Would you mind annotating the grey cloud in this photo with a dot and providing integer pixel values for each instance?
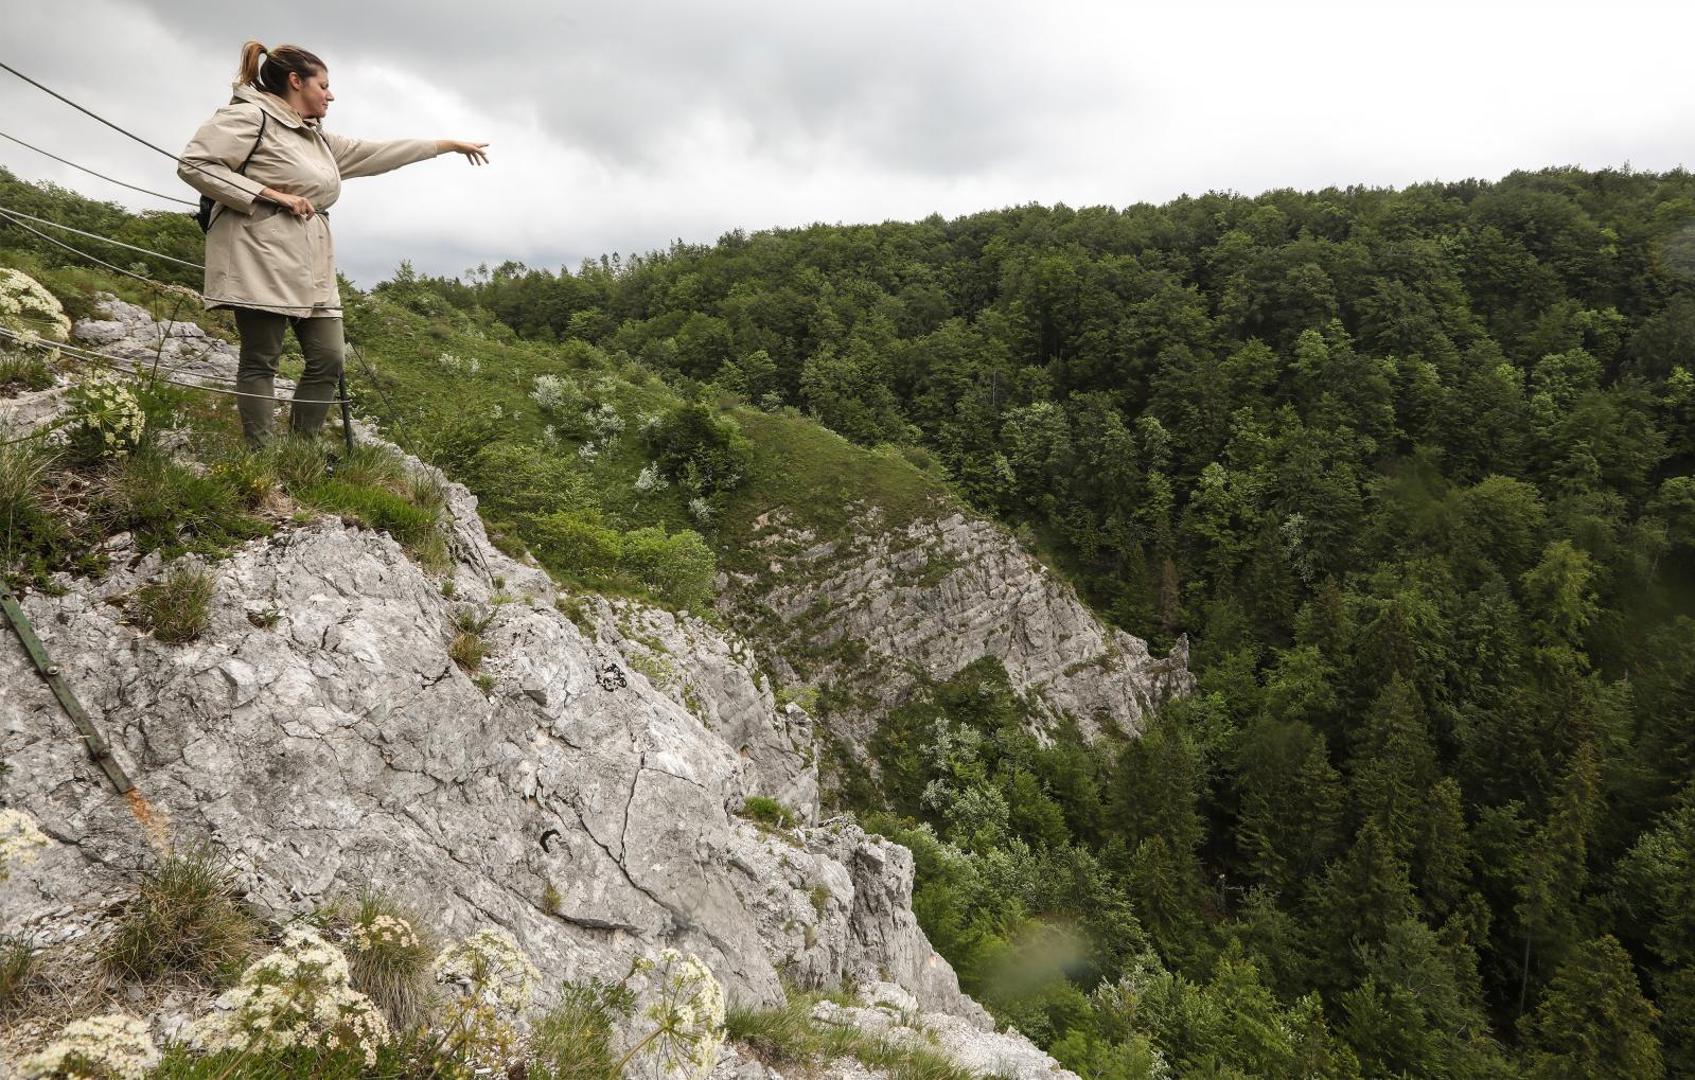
(912, 87)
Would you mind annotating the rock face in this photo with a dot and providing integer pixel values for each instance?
(716, 676)
(319, 733)
(890, 605)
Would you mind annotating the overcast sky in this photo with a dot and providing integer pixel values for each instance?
(623, 126)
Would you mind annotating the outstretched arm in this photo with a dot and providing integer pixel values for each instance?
(475, 152)
(368, 157)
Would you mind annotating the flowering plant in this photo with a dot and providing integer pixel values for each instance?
(108, 419)
(298, 995)
(491, 967)
(28, 309)
(383, 931)
(557, 395)
(494, 980)
(687, 1010)
(115, 1047)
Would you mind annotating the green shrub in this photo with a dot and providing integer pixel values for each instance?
(700, 450)
(768, 811)
(528, 482)
(184, 918)
(677, 568)
(178, 606)
(578, 544)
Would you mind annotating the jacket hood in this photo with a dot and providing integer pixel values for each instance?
(279, 110)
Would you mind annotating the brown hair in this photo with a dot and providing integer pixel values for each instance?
(269, 69)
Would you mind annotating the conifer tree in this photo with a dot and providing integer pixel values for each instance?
(1593, 1021)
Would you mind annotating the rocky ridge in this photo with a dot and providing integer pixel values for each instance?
(886, 609)
(319, 734)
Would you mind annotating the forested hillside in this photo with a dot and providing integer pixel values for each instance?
(1411, 468)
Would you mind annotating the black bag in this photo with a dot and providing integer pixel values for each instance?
(208, 205)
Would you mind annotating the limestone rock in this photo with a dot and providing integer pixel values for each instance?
(937, 596)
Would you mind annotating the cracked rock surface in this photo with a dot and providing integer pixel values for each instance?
(932, 598)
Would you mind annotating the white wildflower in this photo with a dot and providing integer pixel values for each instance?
(489, 966)
(588, 451)
(384, 931)
(468, 365)
(115, 1047)
(297, 995)
(27, 308)
(19, 837)
(701, 510)
(688, 1011)
(107, 415)
(494, 980)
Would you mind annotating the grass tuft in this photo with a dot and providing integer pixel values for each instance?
(17, 965)
(177, 607)
(174, 508)
(23, 372)
(23, 466)
(298, 463)
(575, 1040)
(184, 919)
(371, 465)
(391, 968)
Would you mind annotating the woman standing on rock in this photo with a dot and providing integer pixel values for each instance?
(273, 171)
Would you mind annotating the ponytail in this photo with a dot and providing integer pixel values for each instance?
(252, 55)
(269, 69)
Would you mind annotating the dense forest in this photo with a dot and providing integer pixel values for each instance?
(1412, 470)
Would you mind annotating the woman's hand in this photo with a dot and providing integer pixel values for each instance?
(298, 205)
(475, 152)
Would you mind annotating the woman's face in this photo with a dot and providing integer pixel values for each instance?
(311, 96)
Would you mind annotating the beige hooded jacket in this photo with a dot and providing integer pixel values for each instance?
(258, 255)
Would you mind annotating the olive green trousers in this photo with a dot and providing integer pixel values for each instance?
(261, 344)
